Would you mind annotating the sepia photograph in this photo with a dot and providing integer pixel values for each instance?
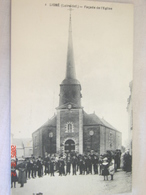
(71, 97)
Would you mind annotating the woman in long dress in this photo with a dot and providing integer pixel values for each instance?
(22, 173)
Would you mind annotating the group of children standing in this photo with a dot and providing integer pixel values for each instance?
(108, 168)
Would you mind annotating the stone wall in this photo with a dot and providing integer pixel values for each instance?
(37, 143)
(110, 139)
(118, 140)
(91, 142)
(49, 143)
(69, 117)
(102, 139)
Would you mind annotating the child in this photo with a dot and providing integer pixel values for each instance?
(112, 168)
(105, 171)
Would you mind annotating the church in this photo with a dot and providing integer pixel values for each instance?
(71, 129)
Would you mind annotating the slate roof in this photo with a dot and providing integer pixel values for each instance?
(70, 82)
(107, 124)
(88, 119)
(93, 119)
(50, 122)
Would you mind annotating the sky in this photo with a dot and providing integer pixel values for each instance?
(103, 53)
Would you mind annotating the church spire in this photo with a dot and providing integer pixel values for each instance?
(70, 88)
(70, 66)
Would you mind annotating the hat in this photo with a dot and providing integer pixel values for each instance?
(105, 159)
(105, 163)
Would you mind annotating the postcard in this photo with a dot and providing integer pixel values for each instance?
(71, 97)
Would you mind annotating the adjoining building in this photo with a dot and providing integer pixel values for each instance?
(71, 129)
(24, 146)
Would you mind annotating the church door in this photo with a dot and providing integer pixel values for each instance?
(69, 146)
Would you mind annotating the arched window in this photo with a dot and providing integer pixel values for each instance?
(69, 127)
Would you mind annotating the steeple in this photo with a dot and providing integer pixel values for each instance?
(70, 88)
(70, 66)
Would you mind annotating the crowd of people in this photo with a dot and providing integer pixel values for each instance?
(66, 164)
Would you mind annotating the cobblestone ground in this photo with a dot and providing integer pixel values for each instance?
(76, 185)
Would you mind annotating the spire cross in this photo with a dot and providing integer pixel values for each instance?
(70, 9)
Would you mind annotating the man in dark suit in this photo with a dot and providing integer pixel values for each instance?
(95, 164)
(52, 162)
(46, 159)
(68, 164)
(39, 164)
(74, 164)
(81, 164)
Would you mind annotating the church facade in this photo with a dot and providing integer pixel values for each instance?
(71, 129)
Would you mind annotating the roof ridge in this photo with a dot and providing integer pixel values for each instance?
(110, 126)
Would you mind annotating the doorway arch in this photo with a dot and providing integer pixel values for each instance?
(69, 146)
